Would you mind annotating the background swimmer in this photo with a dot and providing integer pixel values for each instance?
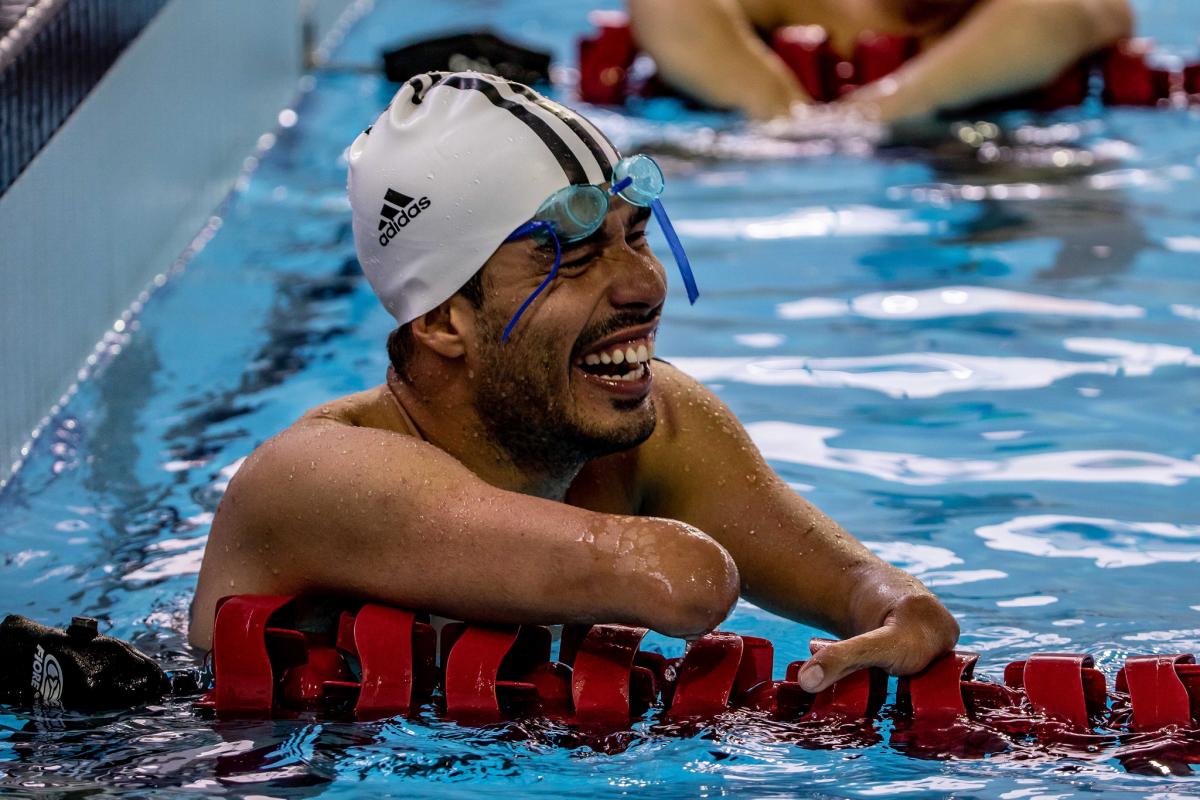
(971, 50)
(563, 475)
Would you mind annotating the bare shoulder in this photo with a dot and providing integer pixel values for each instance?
(687, 409)
(698, 442)
(694, 428)
(288, 493)
(276, 464)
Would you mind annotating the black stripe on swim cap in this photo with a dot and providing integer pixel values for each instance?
(572, 122)
(558, 148)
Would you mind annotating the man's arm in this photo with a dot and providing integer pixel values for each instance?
(329, 508)
(708, 49)
(703, 469)
(999, 48)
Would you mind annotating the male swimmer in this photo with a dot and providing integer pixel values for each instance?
(971, 50)
(527, 460)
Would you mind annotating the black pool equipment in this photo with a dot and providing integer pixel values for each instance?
(481, 51)
(77, 669)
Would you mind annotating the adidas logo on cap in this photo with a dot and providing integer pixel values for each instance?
(398, 210)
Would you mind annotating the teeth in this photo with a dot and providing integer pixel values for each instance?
(629, 354)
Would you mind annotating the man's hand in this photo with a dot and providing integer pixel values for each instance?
(915, 631)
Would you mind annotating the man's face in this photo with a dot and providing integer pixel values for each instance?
(573, 381)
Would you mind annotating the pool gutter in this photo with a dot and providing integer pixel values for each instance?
(111, 201)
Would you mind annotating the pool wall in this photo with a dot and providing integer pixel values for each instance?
(131, 178)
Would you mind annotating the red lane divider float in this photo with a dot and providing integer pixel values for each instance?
(1164, 691)
(607, 56)
(380, 662)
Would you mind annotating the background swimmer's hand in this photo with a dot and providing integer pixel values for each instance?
(916, 630)
(711, 50)
(1001, 47)
(829, 121)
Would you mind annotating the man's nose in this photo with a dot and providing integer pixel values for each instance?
(637, 279)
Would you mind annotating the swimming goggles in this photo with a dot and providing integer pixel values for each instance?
(576, 212)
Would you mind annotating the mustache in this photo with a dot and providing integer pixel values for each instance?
(598, 331)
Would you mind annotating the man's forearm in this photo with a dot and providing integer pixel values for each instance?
(708, 49)
(798, 562)
(1002, 47)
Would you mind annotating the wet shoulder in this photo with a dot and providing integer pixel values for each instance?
(372, 408)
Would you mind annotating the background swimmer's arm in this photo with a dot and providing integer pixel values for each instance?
(1000, 47)
(701, 467)
(708, 49)
(328, 508)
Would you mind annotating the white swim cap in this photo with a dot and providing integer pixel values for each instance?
(452, 166)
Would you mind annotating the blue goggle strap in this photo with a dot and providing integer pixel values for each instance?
(681, 259)
(534, 226)
(664, 222)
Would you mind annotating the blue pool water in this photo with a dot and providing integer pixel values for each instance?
(981, 359)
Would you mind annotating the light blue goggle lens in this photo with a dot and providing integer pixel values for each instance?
(576, 212)
(638, 179)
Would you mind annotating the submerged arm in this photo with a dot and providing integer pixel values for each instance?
(793, 559)
(708, 49)
(327, 508)
(1001, 47)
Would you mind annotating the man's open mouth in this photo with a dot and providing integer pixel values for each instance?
(627, 361)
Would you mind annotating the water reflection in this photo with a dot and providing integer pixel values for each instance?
(807, 445)
(1107, 542)
(931, 374)
(801, 223)
(952, 301)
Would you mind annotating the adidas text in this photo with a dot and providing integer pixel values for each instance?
(396, 217)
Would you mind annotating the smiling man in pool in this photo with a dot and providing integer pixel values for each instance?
(527, 460)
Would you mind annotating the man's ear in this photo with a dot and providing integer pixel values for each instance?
(447, 328)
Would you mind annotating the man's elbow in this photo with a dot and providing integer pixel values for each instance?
(701, 589)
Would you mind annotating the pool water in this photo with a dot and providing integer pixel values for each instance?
(979, 354)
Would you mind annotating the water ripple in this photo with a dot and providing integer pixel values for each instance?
(951, 301)
(927, 374)
(1107, 542)
(807, 445)
(822, 221)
